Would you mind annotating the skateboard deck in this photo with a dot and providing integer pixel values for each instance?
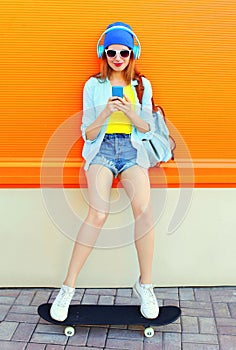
(111, 315)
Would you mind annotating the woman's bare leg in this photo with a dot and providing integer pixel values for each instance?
(136, 183)
(99, 179)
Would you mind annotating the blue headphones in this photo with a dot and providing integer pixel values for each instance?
(136, 49)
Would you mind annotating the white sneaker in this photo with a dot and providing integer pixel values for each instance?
(149, 306)
(60, 306)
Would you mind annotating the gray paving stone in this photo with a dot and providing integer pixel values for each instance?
(165, 295)
(190, 346)
(7, 300)
(232, 308)
(55, 347)
(227, 330)
(167, 290)
(171, 341)
(169, 302)
(25, 297)
(49, 328)
(126, 301)
(24, 309)
(79, 292)
(90, 299)
(227, 342)
(196, 312)
(226, 321)
(82, 348)
(24, 332)
(4, 311)
(154, 343)
(196, 305)
(124, 292)
(78, 296)
(11, 316)
(125, 334)
(124, 344)
(207, 325)
(224, 295)
(150, 346)
(100, 291)
(172, 327)
(200, 338)
(41, 297)
(202, 295)
(54, 294)
(97, 337)
(9, 292)
(221, 309)
(186, 294)
(33, 346)
(104, 348)
(80, 337)
(222, 288)
(190, 324)
(10, 345)
(7, 330)
(106, 300)
(49, 338)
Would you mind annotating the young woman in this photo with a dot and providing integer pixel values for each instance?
(113, 129)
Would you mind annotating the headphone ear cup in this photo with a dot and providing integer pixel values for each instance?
(136, 52)
(100, 50)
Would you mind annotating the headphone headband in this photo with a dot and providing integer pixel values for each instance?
(119, 27)
(136, 48)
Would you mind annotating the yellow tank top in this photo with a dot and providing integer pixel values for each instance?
(118, 122)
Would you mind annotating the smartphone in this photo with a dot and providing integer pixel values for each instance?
(117, 91)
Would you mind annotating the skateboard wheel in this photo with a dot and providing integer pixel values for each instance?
(149, 332)
(69, 331)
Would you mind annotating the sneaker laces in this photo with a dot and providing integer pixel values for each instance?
(149, 294)
(64, 298)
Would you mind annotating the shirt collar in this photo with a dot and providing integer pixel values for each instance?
(133, 82)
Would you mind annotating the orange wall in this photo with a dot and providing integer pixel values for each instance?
(48, 50)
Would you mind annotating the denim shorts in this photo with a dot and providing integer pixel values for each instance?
(116, 153)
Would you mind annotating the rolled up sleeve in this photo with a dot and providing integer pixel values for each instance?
(146, 110)
(89, 110)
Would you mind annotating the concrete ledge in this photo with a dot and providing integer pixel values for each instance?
(199, 251)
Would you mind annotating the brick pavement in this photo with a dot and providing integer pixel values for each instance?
(208, 321)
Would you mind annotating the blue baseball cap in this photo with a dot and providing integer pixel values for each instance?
(119, 36)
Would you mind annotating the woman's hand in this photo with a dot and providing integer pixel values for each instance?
(124, 105)
(111, 106)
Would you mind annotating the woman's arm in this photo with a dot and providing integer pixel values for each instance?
(94, 128)
(92, 122)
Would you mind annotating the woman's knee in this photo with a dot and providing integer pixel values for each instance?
(97, 218)
(143, 214)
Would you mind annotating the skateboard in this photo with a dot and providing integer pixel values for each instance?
(111, 315)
